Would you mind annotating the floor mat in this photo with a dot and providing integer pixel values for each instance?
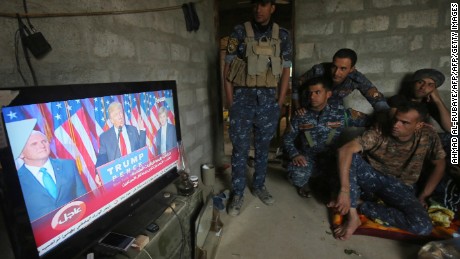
(371, 228)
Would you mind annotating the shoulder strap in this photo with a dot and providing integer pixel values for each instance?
(346, 117)
(275, 31)
(330, 136)
(309, 138)
(248, 28)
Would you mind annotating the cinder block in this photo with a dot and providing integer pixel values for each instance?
(109, 44)
(444, 61)
(156, 50)
(390, 3)
(305, 50)
(317, 27)
(392, 44)
(336, 6)
(418, 19)
(186, 97)
(404, 64)
(440, 40)
(371, 65)
(201, 94)
(371, 24)
(388, 86)
(179, 52)
(193, 116)
(416, 43)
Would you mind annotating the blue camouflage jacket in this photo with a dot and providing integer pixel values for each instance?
(355, 80)
(319, 131)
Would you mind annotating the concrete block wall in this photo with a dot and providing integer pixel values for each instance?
(126, 47)
(392, 38)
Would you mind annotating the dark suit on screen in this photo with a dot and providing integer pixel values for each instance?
(171, 138)
(38, 201)
(109, 149)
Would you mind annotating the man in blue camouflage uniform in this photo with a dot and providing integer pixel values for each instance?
(389, 171)
(345, 78)
(258, 60)
(319, 129)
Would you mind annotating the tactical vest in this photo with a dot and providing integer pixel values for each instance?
(262, 65)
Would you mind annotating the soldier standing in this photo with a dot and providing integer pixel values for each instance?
(258, 60)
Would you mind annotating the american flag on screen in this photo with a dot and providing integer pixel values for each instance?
(73, 127)
(72, 137)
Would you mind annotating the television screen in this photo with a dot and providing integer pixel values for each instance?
(80, 158)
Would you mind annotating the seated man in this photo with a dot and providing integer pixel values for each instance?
(423, 88)
(318, 130)
(345, 80)
(393, 165)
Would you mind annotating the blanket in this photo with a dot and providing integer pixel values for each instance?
(374, 228)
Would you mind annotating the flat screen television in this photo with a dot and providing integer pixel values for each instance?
(77, 159)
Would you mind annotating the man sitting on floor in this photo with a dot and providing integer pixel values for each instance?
(393, 165)
(318, 130)
(423, 88)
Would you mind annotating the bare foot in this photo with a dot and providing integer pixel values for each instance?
(344, 231)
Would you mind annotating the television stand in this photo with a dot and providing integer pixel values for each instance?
(176, 235)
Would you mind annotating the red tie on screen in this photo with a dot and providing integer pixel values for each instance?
(123, 150)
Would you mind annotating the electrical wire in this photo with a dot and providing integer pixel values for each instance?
(16, 55)
(181, 227)
(181, 230)
(24, 4)
(49, 15)
(145, 251)
(22, 29)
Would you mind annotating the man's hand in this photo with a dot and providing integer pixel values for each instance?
(342, 204)
(422, 198)
(434, 96)
(300, 111)
(299, 160)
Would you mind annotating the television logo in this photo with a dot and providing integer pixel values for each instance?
(68, 215)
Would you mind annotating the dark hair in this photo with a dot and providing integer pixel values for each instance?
(417, 106)
(397, 100)
(325, 81)
(346, 53)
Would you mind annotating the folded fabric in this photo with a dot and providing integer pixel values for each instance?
(374, 228)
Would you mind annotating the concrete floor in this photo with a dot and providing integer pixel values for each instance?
(293, 227)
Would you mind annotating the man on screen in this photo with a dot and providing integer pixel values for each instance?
(165, 138)
(120, 139)
(47, 183)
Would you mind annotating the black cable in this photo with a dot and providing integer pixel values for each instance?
(16, 55)
(22, 32)
(24, 3)
(181, 230)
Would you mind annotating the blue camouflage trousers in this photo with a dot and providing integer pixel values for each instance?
(299, 175)
(402, 209)
(254, 111)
